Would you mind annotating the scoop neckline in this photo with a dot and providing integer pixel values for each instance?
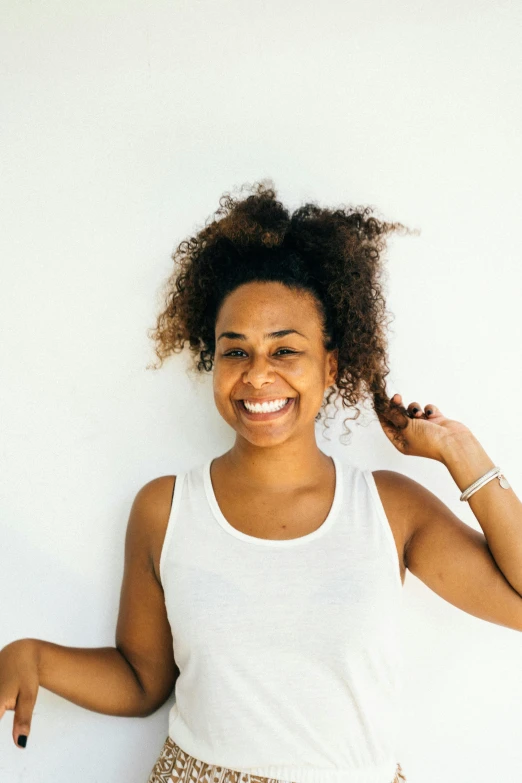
(275, 542)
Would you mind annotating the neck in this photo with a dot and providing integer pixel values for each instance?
(281, 468)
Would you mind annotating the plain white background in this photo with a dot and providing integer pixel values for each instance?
(122, 125)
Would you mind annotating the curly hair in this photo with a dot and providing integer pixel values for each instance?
(335, 254)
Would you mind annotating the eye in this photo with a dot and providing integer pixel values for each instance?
(238, 350)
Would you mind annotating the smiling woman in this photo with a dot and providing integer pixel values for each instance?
(276, 378)
(329, 259)
(282, 576)
(264, 584)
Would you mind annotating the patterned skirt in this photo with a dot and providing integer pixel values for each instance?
(176, 766)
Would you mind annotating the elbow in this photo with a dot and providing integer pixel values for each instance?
(151, 705)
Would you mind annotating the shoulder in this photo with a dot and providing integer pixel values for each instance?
(153, 497)
(401, 492)
(391, 481)
(149, 517)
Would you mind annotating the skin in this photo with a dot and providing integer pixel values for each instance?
(275, 468)
(276, 471)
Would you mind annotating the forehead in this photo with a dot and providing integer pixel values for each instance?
(267, 304)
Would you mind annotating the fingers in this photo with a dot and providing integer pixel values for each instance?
(23, 716)
(415, 410)
(397, 413)
(19, 684)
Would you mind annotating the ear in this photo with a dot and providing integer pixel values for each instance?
(332, 366)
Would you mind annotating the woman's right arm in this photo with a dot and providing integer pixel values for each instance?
(97, 678)
(132, 679)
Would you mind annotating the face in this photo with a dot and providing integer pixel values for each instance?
(269, 348)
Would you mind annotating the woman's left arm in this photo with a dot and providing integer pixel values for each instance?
(497, 509)
(480, 573)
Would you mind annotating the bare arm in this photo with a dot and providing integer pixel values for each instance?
(133, 678)
(97, 678)
(449, 556)
(136, 676)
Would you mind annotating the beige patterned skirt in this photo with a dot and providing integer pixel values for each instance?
(176, 766)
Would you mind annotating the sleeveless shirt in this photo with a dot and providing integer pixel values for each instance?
(288, 650)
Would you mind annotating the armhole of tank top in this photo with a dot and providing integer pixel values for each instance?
(174, 507)
(368, 475)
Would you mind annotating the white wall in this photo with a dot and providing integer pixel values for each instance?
(123, 123)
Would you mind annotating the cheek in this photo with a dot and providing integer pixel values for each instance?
(223, 385)
(219, 376)
(307, 375)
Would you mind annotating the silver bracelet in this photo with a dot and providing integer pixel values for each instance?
(489, 476)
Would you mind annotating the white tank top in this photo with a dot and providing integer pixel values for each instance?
(288, 650)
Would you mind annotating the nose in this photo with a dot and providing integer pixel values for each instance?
(259, 372)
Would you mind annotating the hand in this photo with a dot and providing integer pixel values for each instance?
(420, 433)
(19, 684)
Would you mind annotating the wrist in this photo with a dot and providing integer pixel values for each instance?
(459, 445)
(34, 650)
(465, 459)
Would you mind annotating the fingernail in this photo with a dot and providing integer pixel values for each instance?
(22, 740)
(414, 410)
(429, 412)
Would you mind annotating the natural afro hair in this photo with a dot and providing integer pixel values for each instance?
(336, 254)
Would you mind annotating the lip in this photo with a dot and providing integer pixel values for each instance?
(264, 399)
(265, 416)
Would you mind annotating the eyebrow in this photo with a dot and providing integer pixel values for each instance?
(268, 336)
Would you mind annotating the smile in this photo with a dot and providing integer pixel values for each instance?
(266, 411)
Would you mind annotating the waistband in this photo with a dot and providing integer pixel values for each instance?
(389, 772)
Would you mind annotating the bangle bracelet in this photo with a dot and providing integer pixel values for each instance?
(495, 472)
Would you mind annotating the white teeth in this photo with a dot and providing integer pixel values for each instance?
(265, 407)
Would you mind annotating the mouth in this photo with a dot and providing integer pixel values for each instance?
(266, 415)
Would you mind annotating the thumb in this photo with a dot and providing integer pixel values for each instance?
(23, 715)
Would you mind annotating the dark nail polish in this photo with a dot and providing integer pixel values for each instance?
(429, 412)
(414, 410)
(22, 740)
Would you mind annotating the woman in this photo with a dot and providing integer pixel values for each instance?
(265, 584)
